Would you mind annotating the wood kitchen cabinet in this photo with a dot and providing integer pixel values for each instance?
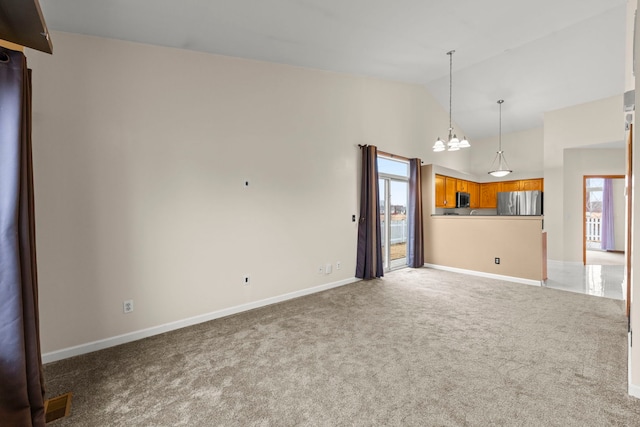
(445, 191)
(474, 194)
(440, 197)
(522, 185)
(510, 186)
(489, 195)
(482, 196)
(450, 192)
(462, 185)
(532, 184)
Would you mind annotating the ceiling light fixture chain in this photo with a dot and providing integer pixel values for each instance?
(453, 144)
(450, 53)
(500, 102)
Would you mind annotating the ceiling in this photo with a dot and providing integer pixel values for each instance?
(537, 55)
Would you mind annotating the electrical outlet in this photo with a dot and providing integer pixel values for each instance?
(127, 306)
(246, 279)
(338, 265)
(321, 270)
(496, 260)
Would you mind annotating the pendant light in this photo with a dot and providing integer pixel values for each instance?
(453, 144)
(499, 167)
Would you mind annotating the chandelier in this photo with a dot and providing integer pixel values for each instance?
(453, 144)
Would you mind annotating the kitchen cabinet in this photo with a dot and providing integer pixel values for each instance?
(450, 192)
(482, 196)
(440, 197)
(522, 185)
(445, 191)
(510, 186)
(473, 188)
(462, 185)
(489, 195)
(532, 184)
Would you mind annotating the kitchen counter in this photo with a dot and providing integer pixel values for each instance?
(483, 216)
(500, 245)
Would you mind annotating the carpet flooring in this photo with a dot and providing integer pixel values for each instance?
(419, 347)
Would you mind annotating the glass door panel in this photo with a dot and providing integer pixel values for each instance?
(398, 193)
(382, 185)
(394, 190)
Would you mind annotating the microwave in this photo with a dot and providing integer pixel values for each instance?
(462, 199)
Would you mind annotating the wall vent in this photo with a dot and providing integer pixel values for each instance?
(57, 407)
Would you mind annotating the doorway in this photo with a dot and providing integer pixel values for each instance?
(393, 183)
(603, 241)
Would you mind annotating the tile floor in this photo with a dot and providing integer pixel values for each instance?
(594, 279)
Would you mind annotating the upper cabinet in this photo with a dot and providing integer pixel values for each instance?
(462, 185)
(446, 188)
(482, 195)
(509, 186)
(474, 194)
(489, 194)
(522, 185)
(440, 197)
(532, 184)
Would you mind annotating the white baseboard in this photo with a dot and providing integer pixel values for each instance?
(160, 329)
(634, 390)
(488, 275)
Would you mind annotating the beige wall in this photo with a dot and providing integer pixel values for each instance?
(140, 157)
(523, 151)
(629, 79)
(634, 362)
(579, 126)
(577, 164)
(472, 243)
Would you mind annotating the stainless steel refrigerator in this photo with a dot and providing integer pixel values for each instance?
(520, 203)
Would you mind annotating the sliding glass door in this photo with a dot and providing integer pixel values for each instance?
(394, 191)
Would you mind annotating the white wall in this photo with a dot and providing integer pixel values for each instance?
(634, 355)
(579, 126)
(523, 151)
(577, 164)
(140, 156)
(619, 213)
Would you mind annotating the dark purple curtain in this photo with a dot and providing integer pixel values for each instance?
(369, 262)
(415, 242)
(607, 229)
(21, 378)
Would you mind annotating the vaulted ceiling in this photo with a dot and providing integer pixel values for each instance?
(537, 55)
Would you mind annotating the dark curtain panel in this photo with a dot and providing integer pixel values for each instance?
(21, 378)
(415, 242)
(369, 262)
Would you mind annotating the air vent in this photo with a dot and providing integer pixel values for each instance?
(57, 407)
